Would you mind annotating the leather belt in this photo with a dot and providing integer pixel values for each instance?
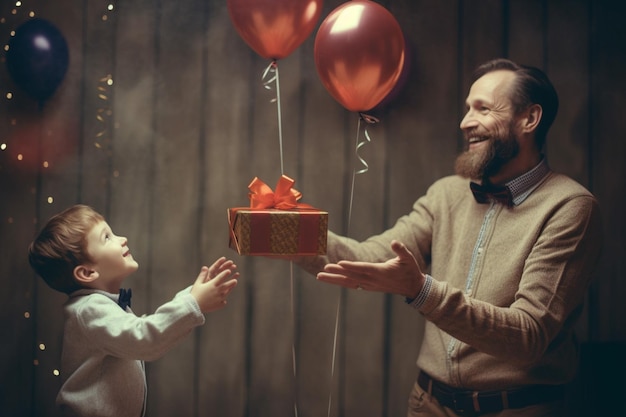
(475, 403)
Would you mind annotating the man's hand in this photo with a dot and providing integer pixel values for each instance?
(400, 275)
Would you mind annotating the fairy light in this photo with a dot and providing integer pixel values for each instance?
(104, 113)
(18, 11)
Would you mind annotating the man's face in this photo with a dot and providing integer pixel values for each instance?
(488, 127)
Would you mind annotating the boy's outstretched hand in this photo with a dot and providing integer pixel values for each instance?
(214, 283)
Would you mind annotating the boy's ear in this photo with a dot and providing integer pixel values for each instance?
(84, 274)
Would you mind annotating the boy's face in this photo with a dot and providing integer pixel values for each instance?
(111, 258)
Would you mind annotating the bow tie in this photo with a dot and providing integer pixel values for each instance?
(124, 300)
(484, 193)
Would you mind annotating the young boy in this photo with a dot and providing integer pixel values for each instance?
(104, 343)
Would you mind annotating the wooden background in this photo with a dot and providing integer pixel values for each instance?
(187, 124)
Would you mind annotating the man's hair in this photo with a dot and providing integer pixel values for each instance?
(62, 245)
(532, 86)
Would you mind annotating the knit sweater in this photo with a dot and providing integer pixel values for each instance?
(508, 282)
(104, 348)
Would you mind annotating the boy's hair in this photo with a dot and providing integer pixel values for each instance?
(62, 245)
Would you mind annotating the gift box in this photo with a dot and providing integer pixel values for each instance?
(276, 224)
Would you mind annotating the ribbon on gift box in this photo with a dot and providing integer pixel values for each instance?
(267, 204)
(284, 198)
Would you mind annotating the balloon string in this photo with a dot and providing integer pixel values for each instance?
(293, 344)
(370, 120)
(270, 75)
(332, 366)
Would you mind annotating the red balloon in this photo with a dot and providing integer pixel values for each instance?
(274, 28)
(359, 54)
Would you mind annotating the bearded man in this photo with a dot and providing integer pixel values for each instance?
(509, 246)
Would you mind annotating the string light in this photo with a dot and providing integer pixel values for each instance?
(13, 16)
(104, 113)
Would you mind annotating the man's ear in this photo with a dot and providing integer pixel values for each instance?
(531, 118)
(84, 274)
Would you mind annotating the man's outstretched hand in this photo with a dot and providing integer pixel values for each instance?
(400, 275)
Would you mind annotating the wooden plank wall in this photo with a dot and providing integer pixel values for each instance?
(187, 124)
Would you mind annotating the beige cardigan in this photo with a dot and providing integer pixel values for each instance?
(509, 283)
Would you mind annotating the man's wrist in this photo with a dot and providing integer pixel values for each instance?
(421, 297)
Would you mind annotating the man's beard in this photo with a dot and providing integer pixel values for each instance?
(485, 163)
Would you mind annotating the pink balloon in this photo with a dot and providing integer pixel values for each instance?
(274, 28)
(359, 54)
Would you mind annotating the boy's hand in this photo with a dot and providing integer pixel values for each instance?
(214, 284)
(220, 265)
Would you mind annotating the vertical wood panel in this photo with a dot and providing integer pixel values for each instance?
(58, 189)
(322, 180)
(422, 126)
(607, 87)
(567, 146)
(131, 132)
(175, 188)
(223, 383)
(18, 187)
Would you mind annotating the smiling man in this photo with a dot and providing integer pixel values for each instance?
(509, 247)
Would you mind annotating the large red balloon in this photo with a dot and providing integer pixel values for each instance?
(274, 28)
(359, 54)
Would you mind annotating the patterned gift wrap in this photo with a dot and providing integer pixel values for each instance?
(278, 232)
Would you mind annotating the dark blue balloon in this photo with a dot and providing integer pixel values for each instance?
(37, 58)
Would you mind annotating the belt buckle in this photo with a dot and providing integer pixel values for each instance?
(456, 404)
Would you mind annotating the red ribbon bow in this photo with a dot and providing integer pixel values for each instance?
(284, 198)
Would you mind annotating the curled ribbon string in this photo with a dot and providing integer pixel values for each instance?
(359, 144)
(270, 75)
